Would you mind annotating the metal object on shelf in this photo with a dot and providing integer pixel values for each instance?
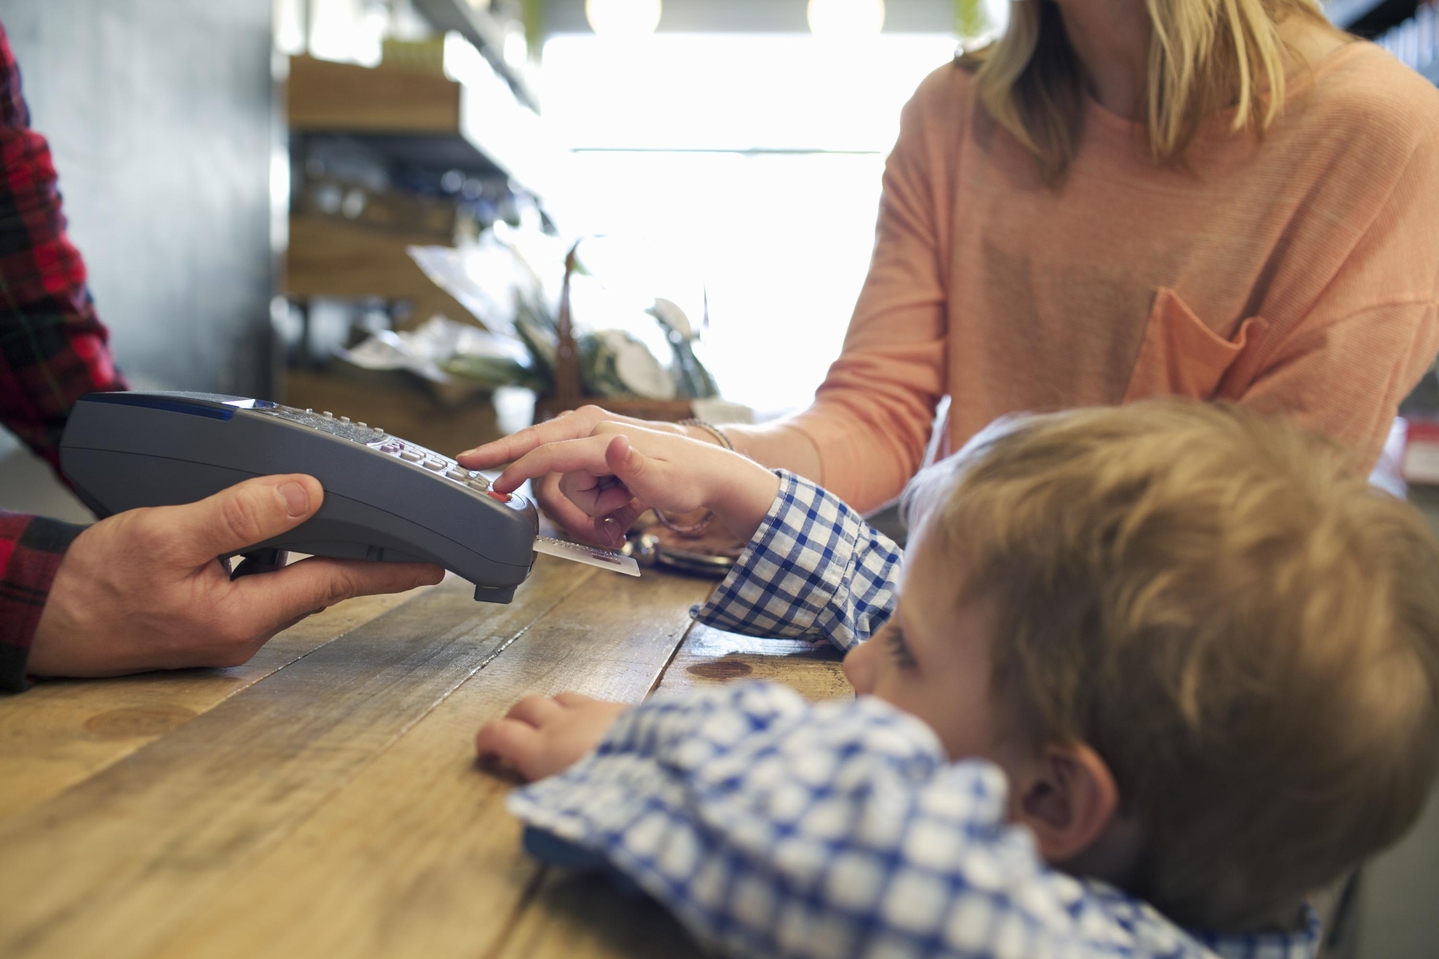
(481, 29)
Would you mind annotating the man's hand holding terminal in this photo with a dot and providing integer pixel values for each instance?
(144, 589)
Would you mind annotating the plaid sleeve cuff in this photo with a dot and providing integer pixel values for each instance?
(814, 569)
(31, 548)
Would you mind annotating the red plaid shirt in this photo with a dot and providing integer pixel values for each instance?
(52, 351)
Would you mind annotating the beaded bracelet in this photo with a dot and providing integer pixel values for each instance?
(709, 428)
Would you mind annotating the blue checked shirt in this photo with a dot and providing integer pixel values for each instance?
(814, 569)
(774, 827)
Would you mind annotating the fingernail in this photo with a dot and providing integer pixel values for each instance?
(613, 533)
(297, 499)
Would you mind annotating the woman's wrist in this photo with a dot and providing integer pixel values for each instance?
(697, 429)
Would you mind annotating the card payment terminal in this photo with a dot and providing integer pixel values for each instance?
(386, 499)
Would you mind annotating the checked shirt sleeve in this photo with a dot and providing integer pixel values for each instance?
(31, 548)
(773, 827)
(53, 348)
(814, 569)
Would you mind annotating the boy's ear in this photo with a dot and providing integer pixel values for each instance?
(1068, 801)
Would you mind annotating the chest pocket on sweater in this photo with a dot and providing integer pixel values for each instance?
(1180, 356)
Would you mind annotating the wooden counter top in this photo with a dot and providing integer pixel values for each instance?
(323, 800)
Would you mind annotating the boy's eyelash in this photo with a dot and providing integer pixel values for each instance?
(898, 648)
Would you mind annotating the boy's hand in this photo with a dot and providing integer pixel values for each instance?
(543, 735)
(619, 469)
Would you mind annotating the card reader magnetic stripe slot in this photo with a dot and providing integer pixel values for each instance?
(215, 411)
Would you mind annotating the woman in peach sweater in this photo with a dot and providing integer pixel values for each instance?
(1121, 199)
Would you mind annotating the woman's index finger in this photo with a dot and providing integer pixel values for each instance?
(509, 448)
(560, 456)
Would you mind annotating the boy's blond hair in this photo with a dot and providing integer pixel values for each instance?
(1243, 628)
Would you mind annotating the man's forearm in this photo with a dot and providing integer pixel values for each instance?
(31, 548)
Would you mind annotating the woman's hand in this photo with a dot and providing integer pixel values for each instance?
(543, 735)
(618, 469)
(553, 491)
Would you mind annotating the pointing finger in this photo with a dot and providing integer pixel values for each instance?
(586, 453)
(512, 447)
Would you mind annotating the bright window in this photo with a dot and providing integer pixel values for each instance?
(760, 157)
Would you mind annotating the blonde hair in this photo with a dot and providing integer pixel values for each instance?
(1205, 56)
(1246, 633)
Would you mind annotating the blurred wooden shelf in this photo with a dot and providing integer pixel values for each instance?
(395, 402)
(326, 97)
(422, 120)
(329, 257)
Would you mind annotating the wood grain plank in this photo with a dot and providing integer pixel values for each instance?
(60, 733)
(584, 915)
(327, 256)
(710, 656)
(321, 95)
(417, 856)
(108, 866)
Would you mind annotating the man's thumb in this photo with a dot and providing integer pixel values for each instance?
(245, 514)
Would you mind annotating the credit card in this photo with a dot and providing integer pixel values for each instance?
(590, 555)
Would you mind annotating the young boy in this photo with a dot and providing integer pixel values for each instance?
(1155, 672)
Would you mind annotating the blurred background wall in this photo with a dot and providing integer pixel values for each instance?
(161, 117)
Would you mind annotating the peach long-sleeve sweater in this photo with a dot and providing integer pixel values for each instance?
(1296, 272)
